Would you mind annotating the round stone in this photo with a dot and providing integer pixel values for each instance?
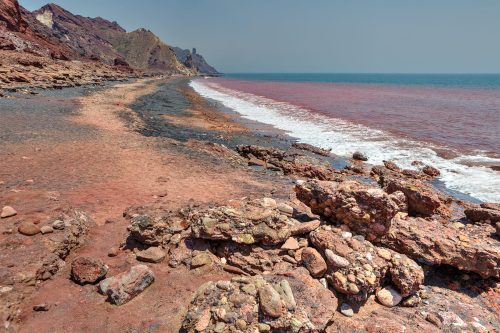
(335, 260)
(28, 229)
(8, 211)
(389, 296)
(46, 229)
(346, 310)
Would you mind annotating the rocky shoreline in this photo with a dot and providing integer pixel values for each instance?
(173, 216)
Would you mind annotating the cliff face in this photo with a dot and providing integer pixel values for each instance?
(194, 60)
(19, 32)
(55, 32)
(143, 49)
(10, 15)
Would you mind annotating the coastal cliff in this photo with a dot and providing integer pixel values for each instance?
(54, 33)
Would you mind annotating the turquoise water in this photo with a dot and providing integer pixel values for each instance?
(443, 80)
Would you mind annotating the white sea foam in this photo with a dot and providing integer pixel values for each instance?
(344, 138)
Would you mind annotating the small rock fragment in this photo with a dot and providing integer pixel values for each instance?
(346, 310)
(153, 254)
(359, 156)
(335, 260)
(58, 225)
(431, 171)
(433, 319)
(88, 270)
(41, 307)
(290, 244)
(46, 229)
(201, 259)
(314, 262)
(270, 301)
(8, 211)
(113, 252)
(125, 286)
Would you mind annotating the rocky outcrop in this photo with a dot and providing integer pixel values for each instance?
(313, 149)
(422, 199)
(56, 33)
(192, 59)
(468, 247)
(75, 227)
(259, 221)
(10, 16)
(357, 268)
(292, 302)
(486, 212)
(288, 163)
(366, 210)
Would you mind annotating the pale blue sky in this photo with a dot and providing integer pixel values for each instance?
(361, 36)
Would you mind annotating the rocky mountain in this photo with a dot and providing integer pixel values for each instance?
(55, 32)
(194, 60)
(20, 32)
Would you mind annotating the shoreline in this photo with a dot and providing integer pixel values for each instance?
(154, 145)
(344, 137)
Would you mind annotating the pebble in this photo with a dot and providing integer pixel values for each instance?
(28, 229)
(386, 254)
(291, 244)
(346, 310)
(432, 318)
(270, 301)
(58, 225)
(202, 259)
(41, 307)
(8, 211)
(314, 262)
(263, 327)
(449, 318)
(335, 260)
(241, 324)
(113, 252)
(285, 209)
(152, 254)
(359, 156)
(4, 290)
(268, 202)
(389, 296)
(46, 229)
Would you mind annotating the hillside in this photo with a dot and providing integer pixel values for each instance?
(56, 33)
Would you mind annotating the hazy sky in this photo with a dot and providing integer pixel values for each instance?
(404, 36)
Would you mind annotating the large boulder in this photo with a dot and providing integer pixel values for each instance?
(292, 302)
(247, 222)
(365, 209)
(155, 226)
(357, 268)
(469, 248)
(478, 214)
(125, 286)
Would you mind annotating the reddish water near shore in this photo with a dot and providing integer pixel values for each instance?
(464, 119)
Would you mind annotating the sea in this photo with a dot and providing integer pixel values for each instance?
(451, 122)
